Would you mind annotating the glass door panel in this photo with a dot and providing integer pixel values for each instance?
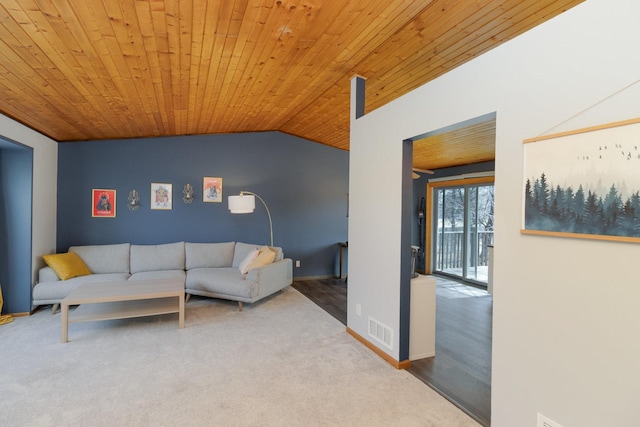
(471, 234)
(450, 230)
(464, 230)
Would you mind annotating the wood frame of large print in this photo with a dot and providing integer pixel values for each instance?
(584, 183)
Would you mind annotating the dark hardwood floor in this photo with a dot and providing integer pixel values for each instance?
(330, 294)
(461, 369)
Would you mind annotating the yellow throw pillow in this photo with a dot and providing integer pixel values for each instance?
(265, 257)
(67, 265)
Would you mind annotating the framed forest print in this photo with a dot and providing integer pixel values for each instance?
(103, 203)
(584, 183)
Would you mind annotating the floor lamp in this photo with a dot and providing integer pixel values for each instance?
(245, 202)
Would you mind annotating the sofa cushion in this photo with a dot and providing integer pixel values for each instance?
(67, 265)
(242, 249)
(155, 275)
(102, 259)
(168, 256)
(206, 255)
(223, 281)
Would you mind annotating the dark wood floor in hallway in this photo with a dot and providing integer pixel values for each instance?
(330, 294)
(461, 369)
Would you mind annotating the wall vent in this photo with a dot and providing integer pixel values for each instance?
(381, 333)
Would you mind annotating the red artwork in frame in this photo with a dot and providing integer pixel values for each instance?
(103, 203)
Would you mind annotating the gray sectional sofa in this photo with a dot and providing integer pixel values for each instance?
(208, 269)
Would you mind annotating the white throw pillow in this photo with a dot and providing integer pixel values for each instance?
(265, 257)
(244, 264)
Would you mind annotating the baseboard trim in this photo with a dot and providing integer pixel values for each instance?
(21, 314)
(405, 364)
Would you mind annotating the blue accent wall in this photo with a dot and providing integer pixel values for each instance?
(305, 185)
(16, 167)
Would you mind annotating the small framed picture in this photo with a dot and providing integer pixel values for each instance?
(161, 196)
(103, 203)
(212, 189)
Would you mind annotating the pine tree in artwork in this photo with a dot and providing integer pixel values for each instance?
(554, 208)
(612, 207)
(628, 218)
(577, 206)
(544, 194)
(529, 207)
(592, 214)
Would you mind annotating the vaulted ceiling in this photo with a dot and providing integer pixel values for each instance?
(79, 70)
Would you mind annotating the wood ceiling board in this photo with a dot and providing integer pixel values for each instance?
(328, 61)
(474, 143)
(482, 31)
(105, 69)
(337, 97)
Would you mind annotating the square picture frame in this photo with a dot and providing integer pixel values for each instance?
(103, 203)
(161, 196)
(212, 189)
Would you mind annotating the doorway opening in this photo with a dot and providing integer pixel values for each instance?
(455, 229)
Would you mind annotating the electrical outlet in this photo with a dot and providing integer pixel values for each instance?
(298, 263)
(358, 309)
(546, 422)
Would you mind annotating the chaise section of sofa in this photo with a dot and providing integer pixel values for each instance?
(107, 263)
(213, 271)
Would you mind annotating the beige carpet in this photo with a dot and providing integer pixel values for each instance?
(281, 362)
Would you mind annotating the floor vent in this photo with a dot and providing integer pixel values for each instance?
(381, 333)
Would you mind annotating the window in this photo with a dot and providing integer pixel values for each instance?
(462, 228)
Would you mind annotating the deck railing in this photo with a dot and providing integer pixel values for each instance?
(450, 245)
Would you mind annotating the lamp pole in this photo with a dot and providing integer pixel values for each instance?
(268, 213)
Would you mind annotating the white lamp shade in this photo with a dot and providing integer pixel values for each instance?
(242, 204)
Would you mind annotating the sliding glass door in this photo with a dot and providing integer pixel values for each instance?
(463, 230)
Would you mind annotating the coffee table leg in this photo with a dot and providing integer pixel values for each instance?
(64, 319)
(181, 312)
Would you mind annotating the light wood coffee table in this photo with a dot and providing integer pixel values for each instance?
(121, 300)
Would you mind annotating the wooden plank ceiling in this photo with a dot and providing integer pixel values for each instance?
(466, 144)
(79, 70)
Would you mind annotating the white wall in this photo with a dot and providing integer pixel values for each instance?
(45, 171)
(566, 322)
